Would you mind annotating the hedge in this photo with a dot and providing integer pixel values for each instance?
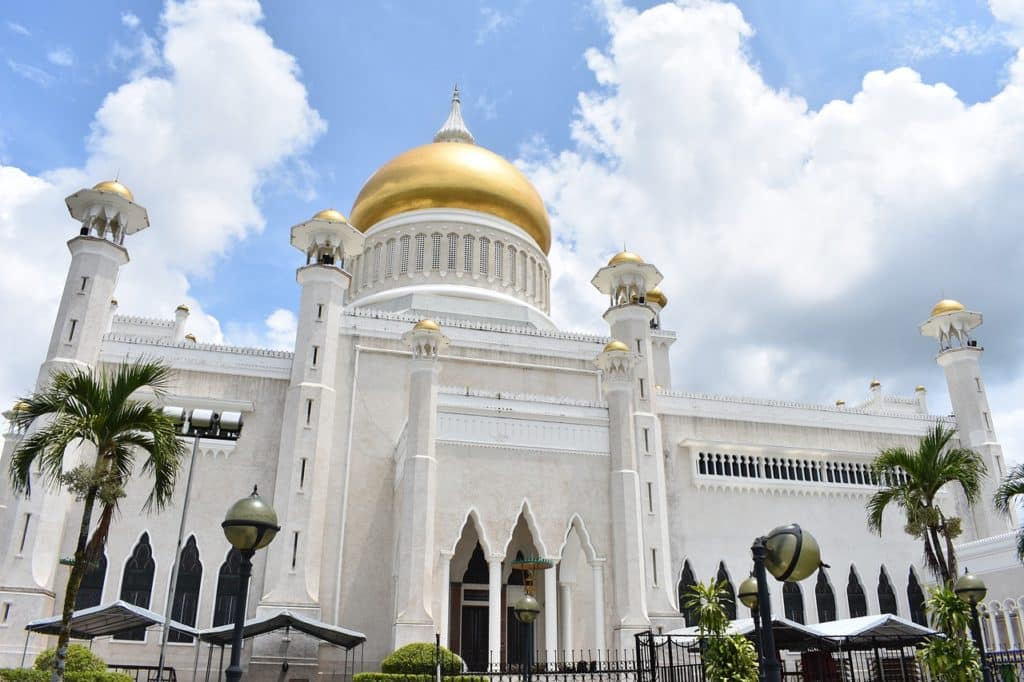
(418, 659)
(30, 675)
(396, 677)
(79, 660)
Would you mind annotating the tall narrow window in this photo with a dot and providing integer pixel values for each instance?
(467, 265)
(366, 266)
(228, 586)
(793, 601)
(915, 596)
(638, 346)
(316, 355)
(485, 255)
(650, 497)
(137, 583)
(435, 251)
(378, 258)
(85, 282)
(647, 440)
(728, 598)
(71, 330)
(295, 548)
(886, 595)
(319, 311)
(186, 592)
(389, 264)
(512, 265)
(453, 251)
(302, 473)
(90, 592)
(421, 249)
(988, 421)
(499, 256)
(855, 596)
(824, 598)
(642, 389)
(403, 256)
(24, 533)
(977, 380)
(7, 613)
(309, 410)
(687, 581)
(654, 566)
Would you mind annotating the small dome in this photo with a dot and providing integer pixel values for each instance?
(114, 187)
(655, 295)
(427, 325)
(332, 215)
(616, 346)
(625, 257)
(840, 403)
(876, 383)
(919, 389)
(19, 406)
(947, 305)
(183, 308)
(190, 337)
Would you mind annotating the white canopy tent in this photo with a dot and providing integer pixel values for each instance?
(873, 631)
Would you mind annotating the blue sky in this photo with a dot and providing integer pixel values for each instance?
(779, 150)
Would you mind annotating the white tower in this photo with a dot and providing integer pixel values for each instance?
(959, 356)
(308, 428)
(34, 527)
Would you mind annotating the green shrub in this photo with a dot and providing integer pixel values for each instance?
(98, 676)
(23, 675)
(418, 659)
(390, 677)
(79, 660)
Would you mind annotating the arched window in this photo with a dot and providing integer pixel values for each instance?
(915, 596)
(886, 595)
(186, 592)
(389, 263)
(227, 589)
(453, 250)
(499, 256)
(421, 248)
(467, 265)
(435, 251)
(137, 583)
(90, 592)
(687, 581)
(378, 257)
(793, 601)
(364, 266)
(855, 596)
(485, 255)
(403, 255)
(512, 265)
(824, 598)
(477, 571)
(728, 599)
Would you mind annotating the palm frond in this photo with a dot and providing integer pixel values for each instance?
(1011, 487)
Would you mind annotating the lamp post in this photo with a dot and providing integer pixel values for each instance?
(527, 608)
(250, 524)
(197, 424)
(789, 554)
(972, 590)
(748, 597)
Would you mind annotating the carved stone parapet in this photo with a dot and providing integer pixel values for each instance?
(426, 340)
(617, 366)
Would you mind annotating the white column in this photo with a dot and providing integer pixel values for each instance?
(444, 592)
(494, 611)
(599, 622)
(565, 606)
(551, 614)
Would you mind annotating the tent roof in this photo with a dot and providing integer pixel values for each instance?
(874, 630)
(286, 619)
(106, 619)
(789, 634)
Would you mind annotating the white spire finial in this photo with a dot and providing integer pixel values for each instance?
(454, 128)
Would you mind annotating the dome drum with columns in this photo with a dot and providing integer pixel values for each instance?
(432, 426)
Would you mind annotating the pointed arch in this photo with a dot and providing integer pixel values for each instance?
(728, 598)
(569, 552)
(915, 597)
(576, 523)
(824, 598)
(472, 518)
(186, 592)
(228, 587)
(137, 583)
(793, 601)
(477, 571)
(855, 595)
(886, 595)
(526, 513)
(687, 581)
(90, 592)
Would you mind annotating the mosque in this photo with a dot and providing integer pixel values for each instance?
(433, 423)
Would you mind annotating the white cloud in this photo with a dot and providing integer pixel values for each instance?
(141, 55)
(486, 106)
(130, 20)
(277, 332)
(31, 73)
(176, 140)
(966, 39)
(800, 247)
(61, 56)
(491, 21)
(18, 28)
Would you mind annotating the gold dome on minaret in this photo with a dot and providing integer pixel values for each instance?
(114, 187)
(625, 257)
(453, 172)
(947, 305)
(656, 295)
(331, 214)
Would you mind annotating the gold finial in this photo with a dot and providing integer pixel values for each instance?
(615, 345)
(427, 325)
(190, 337)
(875, 383)
(840, 403)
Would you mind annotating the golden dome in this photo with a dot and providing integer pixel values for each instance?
(427, 325)
(875, 383)
(655, 295)
(452, 175)
(920, 389)
(19, 406)
(616, 346)
(183, 308)
(947, 305)
(625, 257)
(332, 215)
(840, 403)
(114, 187)
(190, 337)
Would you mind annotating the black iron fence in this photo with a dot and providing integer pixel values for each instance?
(145, 673)
(1006, 666)
(584, 665)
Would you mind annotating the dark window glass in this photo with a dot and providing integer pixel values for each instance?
(793, 602)
(137, 583)
(186, 594)
(728, 598)
(915, 595)
(855, 596)
(686, 583)
(90, 592)
(886, 595)
(825, 598)
(228, 584)
(477, 571)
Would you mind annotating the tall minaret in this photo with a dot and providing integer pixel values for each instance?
(308, 425)
(35, 526)
(638, 474)
(959, 356)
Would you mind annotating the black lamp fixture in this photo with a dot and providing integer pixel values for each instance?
(249, 525)
(972, 590)
(748, 597)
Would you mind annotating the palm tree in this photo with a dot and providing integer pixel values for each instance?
(912, 480)
(94, 411)
(1012, 487)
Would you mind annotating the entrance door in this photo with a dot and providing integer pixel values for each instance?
(474, 637)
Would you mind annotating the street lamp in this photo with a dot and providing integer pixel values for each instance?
(972, 590)
(789, 554)
(198, 424)
(250, 524)
(748, 597)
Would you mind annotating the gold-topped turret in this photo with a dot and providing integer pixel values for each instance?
(331, 214)
(947, 305)
(114, 187)
(625, 257)
(427, 324)
(615, 345)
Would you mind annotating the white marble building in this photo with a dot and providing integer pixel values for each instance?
(433, 423)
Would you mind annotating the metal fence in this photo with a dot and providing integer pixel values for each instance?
(1006, 666)
(144, 673)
